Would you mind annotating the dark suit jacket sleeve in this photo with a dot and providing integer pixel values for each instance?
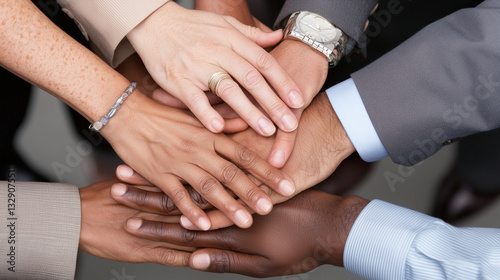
(441, 84)
(39, 230)
(349, 15)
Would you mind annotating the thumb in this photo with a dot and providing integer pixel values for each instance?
(261, 38)
(222, 261)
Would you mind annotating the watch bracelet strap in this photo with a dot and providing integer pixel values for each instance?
(340, 47)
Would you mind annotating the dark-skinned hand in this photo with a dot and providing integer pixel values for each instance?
(297, 236)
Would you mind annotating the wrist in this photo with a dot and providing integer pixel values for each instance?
(321, 134)
(127, 117)
(343, 216)
(296, 46)
(140, 34)
(332, 127)
(235, 8)
(84, 237)
(307, 66)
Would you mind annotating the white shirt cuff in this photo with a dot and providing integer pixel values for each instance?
(349, 107)
(380, 240)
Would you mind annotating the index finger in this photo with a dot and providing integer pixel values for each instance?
(255, 165)
(265, 63)
(175, 234)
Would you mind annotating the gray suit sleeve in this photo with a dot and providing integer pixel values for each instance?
(349, 15)
(40, 230)
(441, 84)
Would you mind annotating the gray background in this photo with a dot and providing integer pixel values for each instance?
(46, 137)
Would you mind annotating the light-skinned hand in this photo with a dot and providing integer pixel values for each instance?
(183, 48)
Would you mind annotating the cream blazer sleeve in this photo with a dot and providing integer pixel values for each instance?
(108, 22)
(39, 230)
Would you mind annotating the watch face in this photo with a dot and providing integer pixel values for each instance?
(318, 28)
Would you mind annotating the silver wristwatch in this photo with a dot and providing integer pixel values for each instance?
(319, 33)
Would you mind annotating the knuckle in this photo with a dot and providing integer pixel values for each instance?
(284, 83)
(251, 194)
(156, 229)
(278, 108)
(227, 89)
(179, 195)
(167, 257)
(228, 206)
(246, 157)
(252, 78)
(139, 197)
(229, 173)
(222, 262)
(194, 99)
(208, 186)
(188, 236)
(264, 61)
(199, 200)
(272, 176)
(168, 206)
(254, 114)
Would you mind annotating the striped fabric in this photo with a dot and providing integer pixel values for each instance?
(392, 242)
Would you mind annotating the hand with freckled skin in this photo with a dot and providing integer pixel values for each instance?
(164, 144)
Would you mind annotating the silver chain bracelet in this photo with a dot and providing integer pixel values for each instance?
(98, 125)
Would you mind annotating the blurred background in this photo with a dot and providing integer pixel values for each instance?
(47, 137)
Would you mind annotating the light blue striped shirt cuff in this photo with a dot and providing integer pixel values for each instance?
(349, 107)
(380, 239)
(391, 242)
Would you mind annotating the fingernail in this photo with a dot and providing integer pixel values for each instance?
(286, 188)
(264, 206)
(217, 125)
(242, 217)
(278, 158)
(118, 189)
(134, 223)
(125, 171)
(289, 122)
(186, 223)
(295, 99)
(201, 261)
(204, 224)
(266, 127)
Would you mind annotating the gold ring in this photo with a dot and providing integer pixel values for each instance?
(214, 81)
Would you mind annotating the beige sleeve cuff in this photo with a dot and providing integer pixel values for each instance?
(39, 230)
(108, 22)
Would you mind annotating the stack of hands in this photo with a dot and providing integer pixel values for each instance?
(196, 179)
(233, 126)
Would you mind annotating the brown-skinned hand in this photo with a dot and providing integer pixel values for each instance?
(102, 232)
(297, 236)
